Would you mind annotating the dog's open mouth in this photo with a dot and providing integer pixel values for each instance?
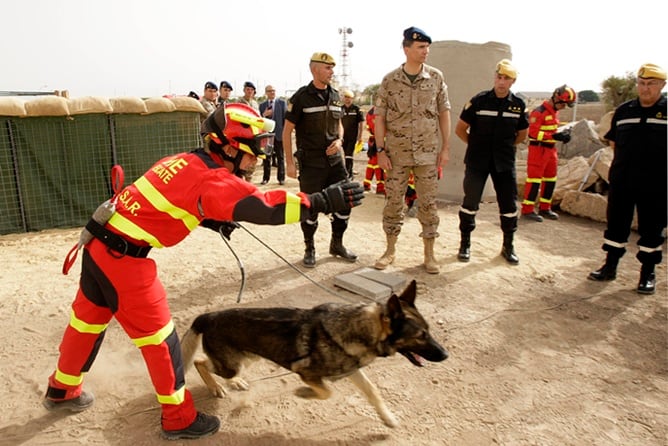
(414, 358)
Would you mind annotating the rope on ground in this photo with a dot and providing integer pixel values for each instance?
(524, 310)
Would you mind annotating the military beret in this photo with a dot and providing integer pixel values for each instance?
(649, 70)
(210, 85)
(323, 58)
(225, 84)
(249, 84)
(416, 35)
(506, 68)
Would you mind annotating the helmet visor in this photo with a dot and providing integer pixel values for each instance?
(261, 145)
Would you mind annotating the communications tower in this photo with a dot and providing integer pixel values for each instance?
(345, 45)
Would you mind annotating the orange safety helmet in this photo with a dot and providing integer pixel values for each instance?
(564, 95)
(246, 130)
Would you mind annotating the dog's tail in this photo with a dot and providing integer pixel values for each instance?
(189, 344)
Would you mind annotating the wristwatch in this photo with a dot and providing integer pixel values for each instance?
(380, 149)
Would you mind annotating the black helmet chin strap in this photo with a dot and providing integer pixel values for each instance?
(237, 163)
(234, 160)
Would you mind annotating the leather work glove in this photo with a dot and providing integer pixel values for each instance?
(224, 228)
(563, 136)
(337, 197)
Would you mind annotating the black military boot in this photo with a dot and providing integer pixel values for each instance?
(647, 283)
(336, 248)
(309, 254)
(607, 272)
(508, 251)
(464, 254)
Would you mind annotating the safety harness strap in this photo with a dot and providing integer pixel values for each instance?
(115, 241)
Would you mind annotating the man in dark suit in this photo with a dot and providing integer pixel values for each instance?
(274, 108)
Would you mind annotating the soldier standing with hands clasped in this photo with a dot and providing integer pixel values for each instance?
(492, 123)
(314, 113)
(412, 127)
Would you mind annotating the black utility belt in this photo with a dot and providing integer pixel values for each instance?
(542, 144)
(116, 242)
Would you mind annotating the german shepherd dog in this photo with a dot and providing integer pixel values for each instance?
(329, 341)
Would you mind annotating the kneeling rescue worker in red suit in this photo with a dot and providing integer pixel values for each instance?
(175, 196)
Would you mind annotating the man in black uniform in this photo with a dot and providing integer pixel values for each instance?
(637, 179)
(353, 126)
(314, 112)
(492, 123)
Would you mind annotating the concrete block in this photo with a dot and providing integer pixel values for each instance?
(395, 281)
(362, 286)
(371, 283)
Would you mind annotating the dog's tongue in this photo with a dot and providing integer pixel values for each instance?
(419, 359)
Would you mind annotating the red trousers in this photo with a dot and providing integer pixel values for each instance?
(541, 178)
(128, 289)
(373, 170)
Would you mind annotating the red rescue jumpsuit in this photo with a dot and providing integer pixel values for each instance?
(159, 209)
(372, 168)
(542, 159)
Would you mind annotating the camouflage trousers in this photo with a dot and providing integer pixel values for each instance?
(426, 186)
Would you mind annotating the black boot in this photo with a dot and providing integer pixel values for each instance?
(336, 248)
(508, 251)
(647, 283)
(608, 271)
(464, 254)
(309, 254)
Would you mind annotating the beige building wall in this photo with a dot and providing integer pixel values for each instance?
(468, 69)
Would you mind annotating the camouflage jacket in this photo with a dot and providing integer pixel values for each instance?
(411, 113)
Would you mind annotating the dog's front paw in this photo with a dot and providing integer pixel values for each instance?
(218, 391)
(237, 383)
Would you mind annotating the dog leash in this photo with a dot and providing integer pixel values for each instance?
(239, 262)
(300, 272)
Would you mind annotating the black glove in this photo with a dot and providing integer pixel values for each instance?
(224, 228)
(563, 136)
(338, 197)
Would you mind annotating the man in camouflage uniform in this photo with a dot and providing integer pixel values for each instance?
(412, 134)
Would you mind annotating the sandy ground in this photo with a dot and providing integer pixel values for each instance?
(539, 354)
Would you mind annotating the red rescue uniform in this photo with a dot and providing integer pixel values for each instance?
(159, 209)
(542, 160)
(372, 167)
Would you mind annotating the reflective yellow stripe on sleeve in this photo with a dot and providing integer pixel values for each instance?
(293, 205)
(157, 338)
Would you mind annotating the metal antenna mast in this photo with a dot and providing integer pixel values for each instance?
(345, 44)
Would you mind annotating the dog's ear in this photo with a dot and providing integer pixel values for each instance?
(409, 293)
(394, 307)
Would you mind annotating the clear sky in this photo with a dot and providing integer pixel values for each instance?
(155, 47)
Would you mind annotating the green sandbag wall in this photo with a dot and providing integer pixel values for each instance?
(54, 171)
